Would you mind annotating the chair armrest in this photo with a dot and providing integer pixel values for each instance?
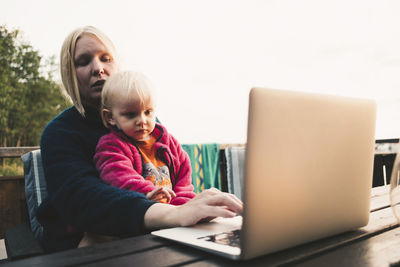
(21, 243)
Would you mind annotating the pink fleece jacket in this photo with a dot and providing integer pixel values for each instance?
(121, 164)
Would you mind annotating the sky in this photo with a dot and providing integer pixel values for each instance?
(203, 57)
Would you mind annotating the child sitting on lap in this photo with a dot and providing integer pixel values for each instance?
(139, 154)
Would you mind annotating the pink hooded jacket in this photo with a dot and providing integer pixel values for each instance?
(120, 163)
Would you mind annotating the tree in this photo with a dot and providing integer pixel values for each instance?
(29, 98)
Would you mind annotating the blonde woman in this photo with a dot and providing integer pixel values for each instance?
(78, 201)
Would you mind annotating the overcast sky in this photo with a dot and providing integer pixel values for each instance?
(204, 56)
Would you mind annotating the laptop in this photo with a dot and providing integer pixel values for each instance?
(308, 175)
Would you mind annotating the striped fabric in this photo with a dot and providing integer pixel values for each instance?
(35, 187)
(235, 160)
(204, 160)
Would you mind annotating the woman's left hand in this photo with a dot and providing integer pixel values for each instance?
(161, 194)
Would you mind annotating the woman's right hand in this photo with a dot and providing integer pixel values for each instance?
(207, 205)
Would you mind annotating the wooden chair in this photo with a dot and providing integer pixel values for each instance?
(20, 241)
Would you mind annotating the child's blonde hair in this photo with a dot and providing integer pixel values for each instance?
(130, 85)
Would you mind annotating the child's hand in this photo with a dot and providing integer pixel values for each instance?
(161, 194)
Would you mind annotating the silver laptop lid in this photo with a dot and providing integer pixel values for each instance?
(309, 163)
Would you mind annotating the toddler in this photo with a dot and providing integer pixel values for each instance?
(139, 154)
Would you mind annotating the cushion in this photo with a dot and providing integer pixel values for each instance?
(35, 187)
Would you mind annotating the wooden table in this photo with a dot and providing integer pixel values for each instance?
(377, 244)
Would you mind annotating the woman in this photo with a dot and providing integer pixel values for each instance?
(78, 201)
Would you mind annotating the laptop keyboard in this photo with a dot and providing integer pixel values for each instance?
(231, 238)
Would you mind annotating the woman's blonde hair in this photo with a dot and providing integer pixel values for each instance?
(67, 63)
(130, 85)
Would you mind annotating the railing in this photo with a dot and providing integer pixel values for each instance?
(15, 152)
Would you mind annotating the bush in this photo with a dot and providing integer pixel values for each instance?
(11, 167)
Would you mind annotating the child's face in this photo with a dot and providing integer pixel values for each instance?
(136, 120)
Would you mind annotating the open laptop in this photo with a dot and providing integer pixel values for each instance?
(308, 175)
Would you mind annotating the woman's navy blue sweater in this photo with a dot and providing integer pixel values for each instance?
(78, 201)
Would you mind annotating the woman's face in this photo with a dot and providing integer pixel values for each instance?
(93, 64)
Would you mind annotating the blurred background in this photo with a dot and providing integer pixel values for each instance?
(204, 56)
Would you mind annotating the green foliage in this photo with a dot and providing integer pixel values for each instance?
(11, 167)
(29, 98)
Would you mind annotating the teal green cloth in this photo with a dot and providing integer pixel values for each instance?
(204, 160)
